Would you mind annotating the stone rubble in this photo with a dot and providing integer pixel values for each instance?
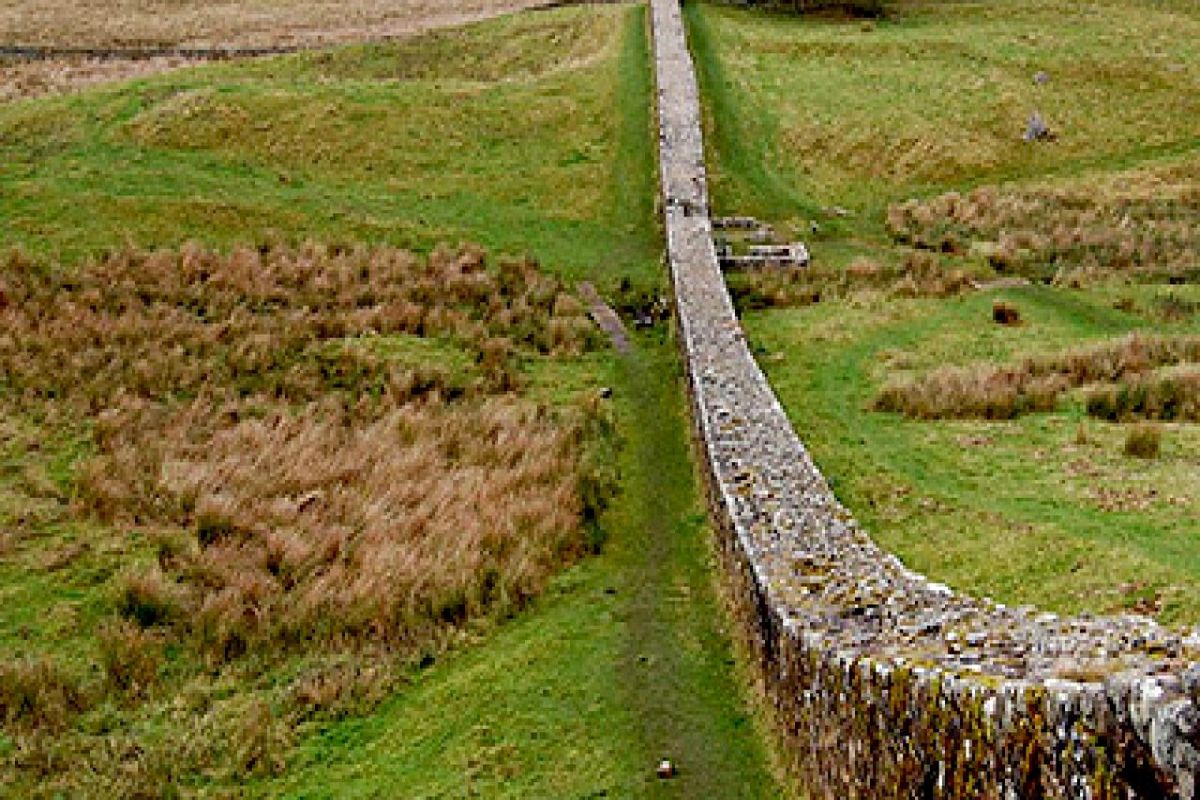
(882, 682)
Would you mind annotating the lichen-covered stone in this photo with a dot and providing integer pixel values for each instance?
(882, 683)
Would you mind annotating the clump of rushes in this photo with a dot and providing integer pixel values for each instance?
(1169, 396)
(920, 275)
(1035, 384)
(299, 494)
(1143, 440)
(1140, 221)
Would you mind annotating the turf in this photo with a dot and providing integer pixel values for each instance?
(819, 125)
(1022, 511)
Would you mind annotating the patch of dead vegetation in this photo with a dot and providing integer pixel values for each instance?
(240, 23)
(988, 391)
(1141, 221)
(23, 80)
(919, 275)
(303, 498)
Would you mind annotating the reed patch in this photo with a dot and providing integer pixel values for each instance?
(295, 486)
(988, 391)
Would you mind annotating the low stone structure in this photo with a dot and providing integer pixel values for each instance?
(884, 684)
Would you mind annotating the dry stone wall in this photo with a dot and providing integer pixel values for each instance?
(884, 684)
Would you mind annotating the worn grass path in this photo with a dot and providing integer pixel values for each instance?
(621, 663)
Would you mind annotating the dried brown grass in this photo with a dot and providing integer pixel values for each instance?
(1141, 221)
(307, 527)
(303, 495)
(1143, 441)
(175, 324)
(157, 23)
(1035, 384)
(35, 693)
(1169, 396)
(23, 80)
(919, 275)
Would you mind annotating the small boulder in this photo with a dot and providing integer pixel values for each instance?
(1036, 130)
(666, 770)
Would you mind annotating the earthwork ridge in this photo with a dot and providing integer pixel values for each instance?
(880, 682)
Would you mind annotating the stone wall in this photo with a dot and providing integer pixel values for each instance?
(882, 683)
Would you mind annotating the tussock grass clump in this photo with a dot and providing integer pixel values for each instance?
(991, 392)
(326, 494)
(855, 8)
(1143, 441)
(919, 275)
(1173, 396)
(267, 323)
(36, 693)
(309, 527)
(1146, 221)
(975, 392)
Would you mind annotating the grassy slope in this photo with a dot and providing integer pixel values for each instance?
(342, 146)
(523, 148)
(622, 662)
(807, 114)
(1020, 510)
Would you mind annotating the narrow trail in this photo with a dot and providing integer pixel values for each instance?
(622, 662)
(676, 667)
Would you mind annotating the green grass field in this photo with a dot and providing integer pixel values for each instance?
(835, 123)
(529, 134)
(480, 133)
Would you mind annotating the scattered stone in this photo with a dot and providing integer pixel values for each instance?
(1036, 130)
(763, 235)
(309, 499)
(1041, 78)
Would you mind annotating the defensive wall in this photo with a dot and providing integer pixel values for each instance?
(880, 682)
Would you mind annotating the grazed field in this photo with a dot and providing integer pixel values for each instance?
(993, 456)
(225, 23)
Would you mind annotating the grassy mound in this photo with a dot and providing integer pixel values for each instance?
(513, 139)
